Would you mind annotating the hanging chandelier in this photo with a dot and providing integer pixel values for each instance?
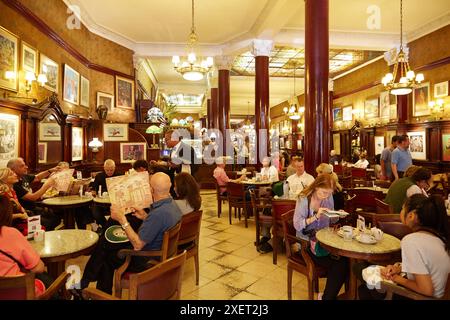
(294, 112)
(191, 69)
(403, 79)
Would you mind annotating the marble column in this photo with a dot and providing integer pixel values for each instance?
(317, 129)
(261, 50)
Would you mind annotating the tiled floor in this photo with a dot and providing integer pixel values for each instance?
(230, 266)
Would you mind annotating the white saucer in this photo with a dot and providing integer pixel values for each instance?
(371, 241)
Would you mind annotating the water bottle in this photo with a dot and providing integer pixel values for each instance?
(286, 190)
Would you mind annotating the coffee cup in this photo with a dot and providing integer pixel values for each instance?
(39, 235)
(347, 232)
(105, 194)
(377, 233)
(365, 237)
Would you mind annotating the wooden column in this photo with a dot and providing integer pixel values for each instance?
(224, 64)
(215, 108)
(209, 113)
(317, 129)
(294, 136)
(262, 50)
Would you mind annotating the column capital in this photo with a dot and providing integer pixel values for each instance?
(224, 62)
(262, 47)
(330, 85)
(137, 60)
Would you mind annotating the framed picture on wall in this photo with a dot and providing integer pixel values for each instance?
(385, 105)
(51, 69)
(441, 89)
(84, 92)
(132, 151)
(446, 146)
(49, 131)
(42, 152)
(337, 143)
(282, 143)
(347, 113)
(71, 85)
(421, 98)
(379, 144)
(9, 57)
(29, 58)
(417, 145)
(124, 93)
(115, 131)
(371, 108)
(393, 112)
(77, 144)
(337, 114)
(106, 100)
(9, 137)
(389, 135)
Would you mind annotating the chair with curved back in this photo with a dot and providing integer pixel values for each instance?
(396, 289)
(363, 203)
(237, 200)
(259, 205)
(168, 249)
(279, 207)
(299, 260)
(359, 177)
(162, 282)
(391, 224)
(189, 238)
(220, 199)
(383, 207)
(22, 287)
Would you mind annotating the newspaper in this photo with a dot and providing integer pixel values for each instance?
(132, 190)
(63, 179)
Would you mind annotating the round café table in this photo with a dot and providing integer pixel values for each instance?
(67, 204)
(252, 182)
(104, 201)
(61, 245)
(384, 190)
(386, 249)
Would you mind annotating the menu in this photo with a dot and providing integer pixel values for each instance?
(63, 179)
(132, 190)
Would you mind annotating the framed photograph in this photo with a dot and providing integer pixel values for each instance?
(421, 98)
(337, 143)
(84, 92)
(124, 93)
(49, 131)
(385, 105)
(417, 145)
(29, 58)
(371, 108)
(299, 145)
(389, 135)
(71, 85)
(282, 143)
(441, 89)
(77, 143)
(446, 146)
(106, 100)
(347, 113)
(51, 69)
(393, 112)
(9, 57)
(115, 131)
(42, 152)
(337, 114)
(379, 144)
(132, 151)
(9, 138)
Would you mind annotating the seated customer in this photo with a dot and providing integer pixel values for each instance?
(188, 193)
(221, 176)
(290, 170)
(140, 166)
(163, 215)
(300, 180)
(28, 198)
(362, 163)
(269, 172)
(403, 188)
(309, 217)
(425, 252)
(16, 253)
(338, 195)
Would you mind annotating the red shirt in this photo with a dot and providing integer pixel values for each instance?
(221, 178)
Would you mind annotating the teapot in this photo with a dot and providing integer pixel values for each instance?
(377, 233)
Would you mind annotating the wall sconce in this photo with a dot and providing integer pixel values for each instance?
(29, 78)
(94, 145)
(10, 75)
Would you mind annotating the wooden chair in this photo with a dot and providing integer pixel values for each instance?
(359, 177)
(189, 238)
(22, 287)
(299, 261)
(162, 282)
(168, 249)
(237, 200)
(363, 202)
(383, 183)
(391, 224)
(383, 207)
(220, 198)
(259, 204)
(279, 207)
(408, 293)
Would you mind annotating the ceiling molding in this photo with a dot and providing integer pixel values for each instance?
(429, 27)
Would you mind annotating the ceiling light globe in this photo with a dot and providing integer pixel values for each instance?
(420, 77)
(176, 60)
(401, 91)
(193, 76)
(410, 75)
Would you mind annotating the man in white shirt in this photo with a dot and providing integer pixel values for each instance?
(299, 181)
(268, 172)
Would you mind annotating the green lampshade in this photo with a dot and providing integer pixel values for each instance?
(154, 130)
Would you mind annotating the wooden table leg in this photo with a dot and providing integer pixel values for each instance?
(353, 282)
(69, 222)
(54, 269)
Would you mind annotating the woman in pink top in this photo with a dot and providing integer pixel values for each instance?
(221, 176)
(15, 251)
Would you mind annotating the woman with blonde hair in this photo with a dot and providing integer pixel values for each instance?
(7, 180)
(310, 217)
(338, 195)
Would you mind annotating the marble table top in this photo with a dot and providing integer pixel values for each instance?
(104, 200)
(66, 200)
(62, 242)
(384, 190)
(387, 244)
(254, 182)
